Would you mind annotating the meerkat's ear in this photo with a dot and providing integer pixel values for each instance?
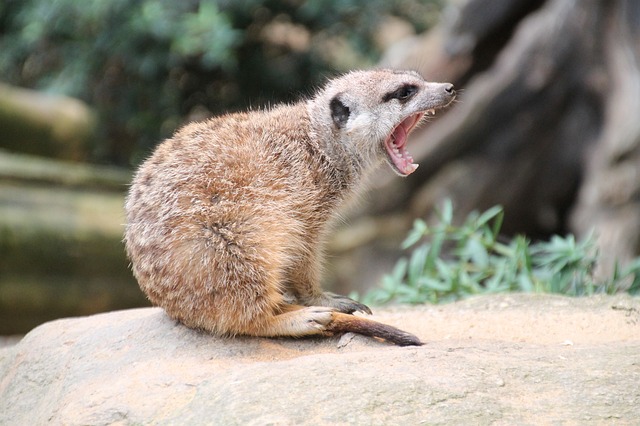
(339, 112)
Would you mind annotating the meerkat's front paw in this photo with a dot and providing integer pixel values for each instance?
(340, 303)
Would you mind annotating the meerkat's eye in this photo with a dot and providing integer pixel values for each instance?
(403, 93)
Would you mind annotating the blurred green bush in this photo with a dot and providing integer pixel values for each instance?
(146, 66)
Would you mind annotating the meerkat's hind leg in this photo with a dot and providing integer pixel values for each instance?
(298, 321)
(338, 302)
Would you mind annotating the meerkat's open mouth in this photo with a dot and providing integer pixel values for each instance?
(395, 144)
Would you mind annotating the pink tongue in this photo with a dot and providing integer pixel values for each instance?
(404, 161)
(401, 136)
(395, 145)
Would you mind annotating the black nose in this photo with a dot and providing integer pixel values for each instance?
(449, 89)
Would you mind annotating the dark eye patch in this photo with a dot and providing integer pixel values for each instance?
(402, 93)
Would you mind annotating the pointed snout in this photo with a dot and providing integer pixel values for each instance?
(439, 95)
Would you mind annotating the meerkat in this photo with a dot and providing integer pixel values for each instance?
(227, 219)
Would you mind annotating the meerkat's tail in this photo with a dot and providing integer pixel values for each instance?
(343, 323)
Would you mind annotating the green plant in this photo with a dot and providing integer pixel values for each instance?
(451, 262)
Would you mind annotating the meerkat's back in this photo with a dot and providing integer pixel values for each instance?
(226, 220)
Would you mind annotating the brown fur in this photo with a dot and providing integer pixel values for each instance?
(226, 220)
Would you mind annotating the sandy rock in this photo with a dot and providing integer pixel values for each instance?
(502, 359)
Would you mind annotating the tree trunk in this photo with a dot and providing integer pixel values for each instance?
(609, 198)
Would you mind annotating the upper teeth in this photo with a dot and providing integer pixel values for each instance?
(431, 111)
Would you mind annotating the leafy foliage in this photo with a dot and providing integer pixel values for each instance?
(148, 65)
(450, 262)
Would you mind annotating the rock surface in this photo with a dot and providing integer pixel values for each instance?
(512, 359)
(45, 124)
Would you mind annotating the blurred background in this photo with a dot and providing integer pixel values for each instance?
(547, 123)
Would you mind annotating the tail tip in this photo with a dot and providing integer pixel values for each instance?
(406, 339)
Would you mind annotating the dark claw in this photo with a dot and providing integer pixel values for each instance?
(347, 305)
(359, 307)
